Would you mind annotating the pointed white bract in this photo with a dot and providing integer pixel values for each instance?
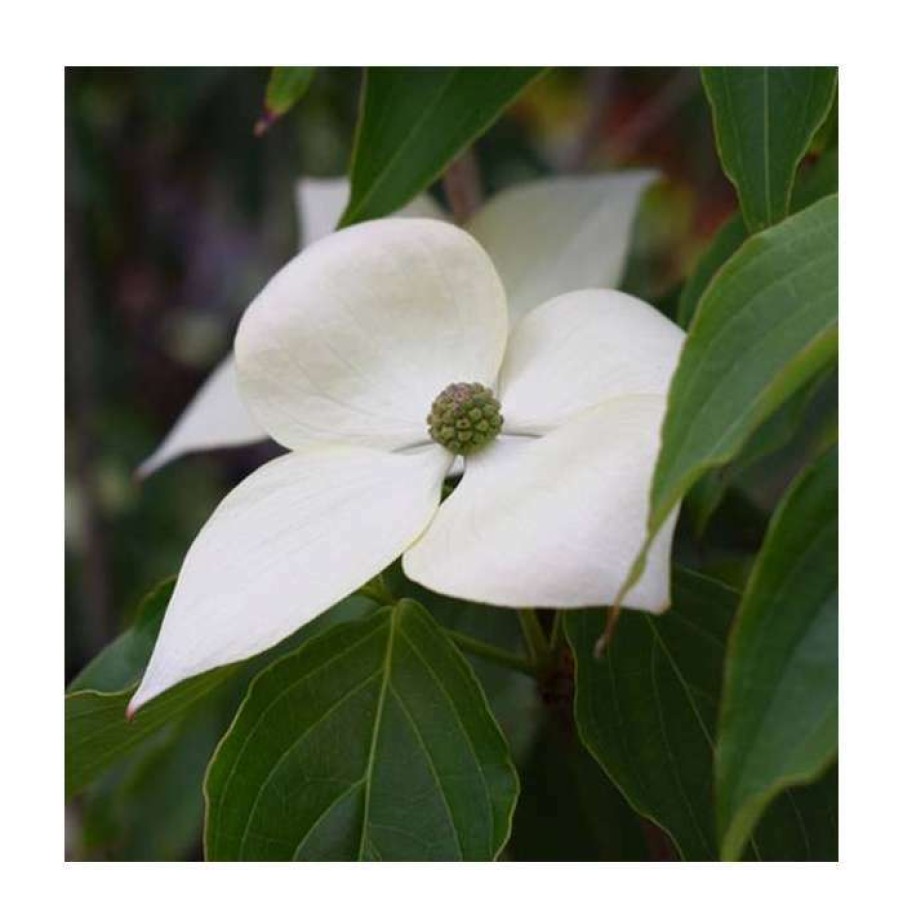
(340, 358)
(300, 533)
(545, 238)
(560, 234)
(216, 418)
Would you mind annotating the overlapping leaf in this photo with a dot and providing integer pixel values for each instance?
(766, 325)
(779, 718)
(568, 810)
(511, 694)
(97, 732)
(372, 741)
(647, 711)
(765, 119)
(150, 806)
(414, 122)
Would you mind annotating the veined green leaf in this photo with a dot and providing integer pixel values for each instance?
(97, 732)
(647, 711)
(372, 741)
(150, 807)
(800, 825)
(511, 695)
(779, 717)
(766, 325)
(765, 119)
(414, 122)
(813, 184)
(793, 429)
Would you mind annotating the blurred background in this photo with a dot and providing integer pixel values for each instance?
(176, 215)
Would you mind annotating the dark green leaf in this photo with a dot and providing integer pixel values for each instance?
(97, 732)
(414, 122)
(800, 825)
(121, 664)
(151, 806)
(372, 741)
(779, 719)
(766, 325)
(786, 429)
(568, 810)
(647, 712)
(287, 85)
(512, 696)
(814, 183)
(765, 119)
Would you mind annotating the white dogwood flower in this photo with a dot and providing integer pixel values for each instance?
(545, 237)
(376, 356)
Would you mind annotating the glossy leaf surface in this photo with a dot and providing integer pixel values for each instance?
(414, 122)
(98, 734)
(778, 724)
(766, 324)
(765, 119)
(372, 741)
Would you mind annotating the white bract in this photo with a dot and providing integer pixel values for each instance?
(340, 359)
(545, 237)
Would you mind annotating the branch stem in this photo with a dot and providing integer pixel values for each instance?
(557, 630)
(461, 183)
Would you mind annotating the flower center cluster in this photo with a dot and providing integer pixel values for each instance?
(465, 417)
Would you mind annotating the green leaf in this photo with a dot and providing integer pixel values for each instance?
(414, 122)
(512, 696)
(800, 825)
(766, 325)
(779, 719)
(568, 809)
(372, 741)
(151, 806)
(813, 184)
(122, 663)
(765, 119)
(647, 709)
(725, 242)
(97, 732)
(287, 85)
(647, 712)
(786, 429)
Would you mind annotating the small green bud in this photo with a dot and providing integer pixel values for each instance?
(465, 417)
